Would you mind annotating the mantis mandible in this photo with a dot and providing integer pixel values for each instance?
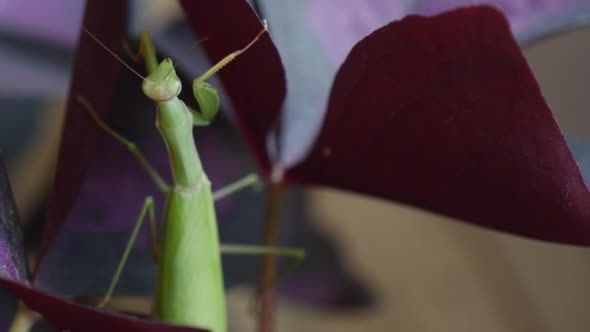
(190, 288)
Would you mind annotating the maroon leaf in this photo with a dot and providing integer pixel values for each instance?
(75, 317)
(94, 77)
(12, 253)
(443, 113)
(255, 81)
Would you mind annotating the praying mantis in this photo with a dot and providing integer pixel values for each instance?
(189, 288)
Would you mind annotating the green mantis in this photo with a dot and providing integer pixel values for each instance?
(190, 288)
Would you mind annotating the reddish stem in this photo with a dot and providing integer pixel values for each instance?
(268, 268)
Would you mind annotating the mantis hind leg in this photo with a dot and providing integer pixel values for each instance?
(132, 147)
(148, 209)
(297, 255)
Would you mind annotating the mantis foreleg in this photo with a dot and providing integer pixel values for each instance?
(206, 94)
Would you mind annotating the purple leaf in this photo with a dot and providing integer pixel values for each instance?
(51, 21)
(530, 20)
(255, 81)
(75, 317)
(13, 263)
(94, 77)
(309, 74)
(83, 256)
(37, 41)
(443, 113)
(339, 24)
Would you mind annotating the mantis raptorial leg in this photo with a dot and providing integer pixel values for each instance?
(190, 280)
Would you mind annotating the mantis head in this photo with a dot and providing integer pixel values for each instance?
(163, 84)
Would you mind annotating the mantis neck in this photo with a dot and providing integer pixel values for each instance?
(175, 124)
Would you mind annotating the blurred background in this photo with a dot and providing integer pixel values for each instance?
(373, 265)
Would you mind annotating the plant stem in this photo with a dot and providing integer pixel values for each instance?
(268, 268)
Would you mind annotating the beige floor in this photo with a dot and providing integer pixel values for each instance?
(433, 274)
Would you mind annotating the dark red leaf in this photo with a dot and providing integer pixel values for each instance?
(443, 113)
(94, 77)
(255, 81)
(12, 254)
(75, 317)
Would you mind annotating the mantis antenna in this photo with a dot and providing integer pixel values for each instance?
(112, 53)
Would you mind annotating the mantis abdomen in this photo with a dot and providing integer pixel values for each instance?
(190, 281)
